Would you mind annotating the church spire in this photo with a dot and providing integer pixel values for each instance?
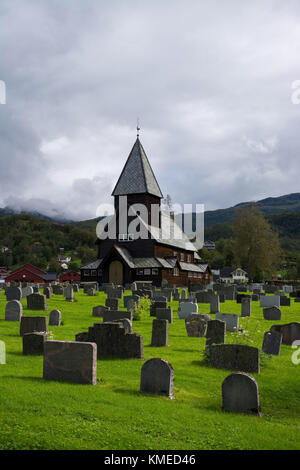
(137, 176)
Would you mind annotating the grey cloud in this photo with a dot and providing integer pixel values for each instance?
(210, 81)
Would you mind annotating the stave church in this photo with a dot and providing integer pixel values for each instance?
(138, 249)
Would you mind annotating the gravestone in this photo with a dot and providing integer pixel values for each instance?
(186, 308)
(13, 293)
(113, 304)
(131, 305)
(69, 294)
(195, 326)
(70, 361)
(113, 341)
(13, 310)
(240, 394)
(75, 288)
(36, 302)
(27, 291)
(160, 298)
(157, 377)
(215, 334)
(164, 314)
(113, 315)
(47, 292)
(127, 324)
(290, 332)
(214, 304)
(272, 343)
(234, 357)
(129, 298)
(58, 290)
(160, 333)
(99, 310)
(114, 292)
(246, 307)
(272, 313)
(285, 301)
(55, 318)
(270, 301)
(155, 305)
(33, 324)
(33, 343)
(231, 320)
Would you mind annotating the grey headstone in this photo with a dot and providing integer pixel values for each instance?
(55, 318)
(215, 334)
(272, 343)
(13, 310)
(98, 310)
(272, 313)
(246, 307)
(157, 377)
(160, 330)
(186, 308)
(240, 394)
(13, 293)
(36, 302)
(231, 320)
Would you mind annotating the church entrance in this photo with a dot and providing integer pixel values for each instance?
(116, 272)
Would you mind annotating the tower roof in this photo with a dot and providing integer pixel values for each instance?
(137, 175)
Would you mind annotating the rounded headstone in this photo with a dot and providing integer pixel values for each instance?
(55, 318)
(13, 310)
(240, 394)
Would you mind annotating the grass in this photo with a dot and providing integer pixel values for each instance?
(38, 414)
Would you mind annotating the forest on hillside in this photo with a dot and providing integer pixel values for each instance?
(27, 239)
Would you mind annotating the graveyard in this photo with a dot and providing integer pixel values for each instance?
(113, 412)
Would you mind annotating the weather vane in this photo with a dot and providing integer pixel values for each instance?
(138, 127)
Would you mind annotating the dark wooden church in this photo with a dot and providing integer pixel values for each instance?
(153, 257)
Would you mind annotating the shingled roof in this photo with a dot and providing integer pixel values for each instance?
(137, 176)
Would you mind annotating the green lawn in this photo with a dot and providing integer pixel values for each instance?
(38, 414)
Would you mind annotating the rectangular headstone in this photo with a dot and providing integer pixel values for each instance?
(70, 361)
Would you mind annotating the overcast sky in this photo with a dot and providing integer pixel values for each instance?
(211, 82)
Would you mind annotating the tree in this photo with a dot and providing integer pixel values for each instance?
(256, 245)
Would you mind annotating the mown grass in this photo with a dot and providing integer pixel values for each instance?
(38, 414)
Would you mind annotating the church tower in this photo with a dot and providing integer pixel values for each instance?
(137, 185)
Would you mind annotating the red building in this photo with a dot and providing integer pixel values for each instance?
(29, 273)
(70, 276)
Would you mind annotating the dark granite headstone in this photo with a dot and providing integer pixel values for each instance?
(33, 343)
(157, 377)
(240, 394)
(33, 324)
(70, 361)
(234, 357)
(160, 330)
